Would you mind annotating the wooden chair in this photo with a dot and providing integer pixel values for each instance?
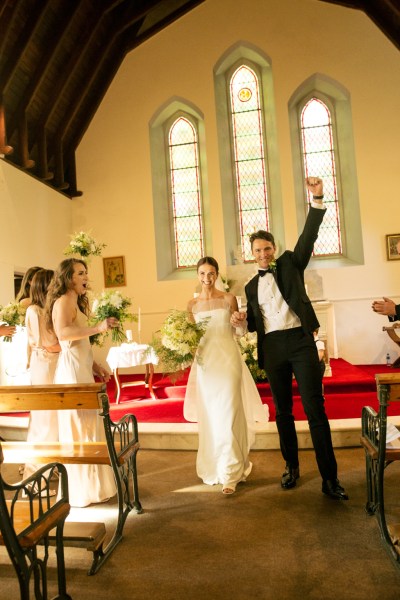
(25, 525)
(119, 451)
(379, 457)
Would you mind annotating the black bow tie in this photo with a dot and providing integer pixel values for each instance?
(262, 272)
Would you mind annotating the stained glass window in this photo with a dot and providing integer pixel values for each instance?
(249, 155)
(185, 192)
(319, 160)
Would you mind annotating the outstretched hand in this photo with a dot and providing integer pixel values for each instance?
(384, 307)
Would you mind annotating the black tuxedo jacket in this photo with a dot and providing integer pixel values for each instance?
(290, 279)
(397, 316)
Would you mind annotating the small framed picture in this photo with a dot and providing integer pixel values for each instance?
(393, 246)
(114, 271)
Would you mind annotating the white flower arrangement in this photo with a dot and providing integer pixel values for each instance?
(225, 283)
(84, 245)
(178, 340)
(248, 349)
(111, 303)
(12, 314)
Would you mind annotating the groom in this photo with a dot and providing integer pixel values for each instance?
(279, 309)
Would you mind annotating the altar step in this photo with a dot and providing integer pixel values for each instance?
(184, 436)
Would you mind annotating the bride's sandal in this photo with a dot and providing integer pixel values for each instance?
(227, 491)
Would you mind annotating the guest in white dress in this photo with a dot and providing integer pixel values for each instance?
(43, 351)
(221, 394)
(17, 352)
(67, 309)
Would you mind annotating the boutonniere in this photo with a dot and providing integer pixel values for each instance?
(272, 266)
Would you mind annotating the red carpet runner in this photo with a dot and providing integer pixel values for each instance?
(349, 389)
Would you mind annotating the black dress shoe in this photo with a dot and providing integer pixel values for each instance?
(289, 477)
(333, 489)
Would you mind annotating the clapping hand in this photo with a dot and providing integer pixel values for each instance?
(384, 307)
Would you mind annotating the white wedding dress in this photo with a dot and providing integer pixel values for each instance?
(222, 397)
(87, 483)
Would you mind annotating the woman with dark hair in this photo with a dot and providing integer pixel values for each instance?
(67, 311)
(23, 296)
(43, 343)
(221, 394)
(43, 350)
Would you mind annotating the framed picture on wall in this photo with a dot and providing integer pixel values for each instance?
(393, 246)
(114, 271)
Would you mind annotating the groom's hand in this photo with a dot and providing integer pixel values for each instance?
(315, 186)
(237, 318)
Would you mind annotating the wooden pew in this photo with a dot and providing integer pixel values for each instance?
(378, 457)
(119, 451)
(25, 526)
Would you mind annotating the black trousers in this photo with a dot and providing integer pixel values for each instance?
(293, 351)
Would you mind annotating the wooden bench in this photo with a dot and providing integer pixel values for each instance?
(378, 457)
(25, 525)
(119, 451)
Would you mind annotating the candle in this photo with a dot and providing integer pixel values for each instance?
(129, 335)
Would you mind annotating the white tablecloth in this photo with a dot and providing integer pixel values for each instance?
(131, 355)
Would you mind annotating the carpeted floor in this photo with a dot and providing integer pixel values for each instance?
(262, 543)
(349, 389)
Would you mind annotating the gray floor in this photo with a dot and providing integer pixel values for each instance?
(263, 542)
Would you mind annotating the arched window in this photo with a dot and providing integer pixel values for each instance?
(180, 193)
(319, 159)
(249, 155)
(248, 149)
(322, 144)
(185, 193)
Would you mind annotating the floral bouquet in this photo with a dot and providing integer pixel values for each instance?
(248, 349)
(111, 304)
(179, 339)
(12, 314)
(83, 244)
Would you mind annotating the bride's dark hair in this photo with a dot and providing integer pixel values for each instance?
(60, 285)
(208, 260)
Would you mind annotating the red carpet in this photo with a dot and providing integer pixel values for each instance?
(349, 389)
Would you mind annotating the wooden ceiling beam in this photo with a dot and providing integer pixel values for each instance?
(6, 17)
(53, 43)
(22, 43)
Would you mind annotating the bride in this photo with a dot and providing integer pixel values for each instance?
(221, 394)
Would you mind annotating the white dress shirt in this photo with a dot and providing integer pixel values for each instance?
(275, 311)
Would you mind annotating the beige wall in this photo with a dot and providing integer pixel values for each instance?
(35, 225)
(302, 37)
